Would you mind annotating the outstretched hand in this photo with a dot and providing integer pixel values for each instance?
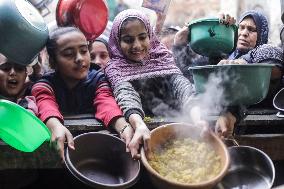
(60, 134)
(226, 19)
(236, 61)
(225, 125)
(141, 136)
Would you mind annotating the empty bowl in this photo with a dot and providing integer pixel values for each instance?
(101, 161)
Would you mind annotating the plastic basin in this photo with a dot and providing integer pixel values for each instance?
(208, 37)
(245, 84)
(20, 128)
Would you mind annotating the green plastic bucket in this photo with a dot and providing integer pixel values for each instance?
(208, 37)
(244, 84)
(20, 128)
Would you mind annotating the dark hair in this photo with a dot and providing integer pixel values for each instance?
(52, 39)
(99, 39)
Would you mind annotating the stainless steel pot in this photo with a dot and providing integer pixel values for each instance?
(250, 168)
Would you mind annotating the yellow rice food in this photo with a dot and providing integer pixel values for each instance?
(186, 161)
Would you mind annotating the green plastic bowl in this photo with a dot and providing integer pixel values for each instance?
(21, 129)
(208, 37)
(244, 84)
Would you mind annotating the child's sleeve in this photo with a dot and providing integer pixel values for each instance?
(46, 102)
(106, 108)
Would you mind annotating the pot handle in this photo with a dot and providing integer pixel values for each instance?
(232, 139)
(211, 32)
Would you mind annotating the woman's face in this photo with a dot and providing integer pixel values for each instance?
(72, 57)
(247, 34)
(134, 40)
(12, 77)
(99, 54)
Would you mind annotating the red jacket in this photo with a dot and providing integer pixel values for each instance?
(49, 101)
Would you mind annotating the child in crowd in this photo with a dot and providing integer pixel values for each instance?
(13, 86)
(73, 89)
(142, 69)
(99, 53)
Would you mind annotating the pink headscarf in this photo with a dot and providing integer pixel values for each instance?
(158, 63)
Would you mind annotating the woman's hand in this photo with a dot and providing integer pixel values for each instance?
(225, 125)
(236, 61)
(59, 134)
(226, 19)
(141, 136)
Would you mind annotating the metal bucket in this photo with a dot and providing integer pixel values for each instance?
(250, 168)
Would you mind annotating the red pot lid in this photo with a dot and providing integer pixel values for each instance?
(91, 16)
(64, 12)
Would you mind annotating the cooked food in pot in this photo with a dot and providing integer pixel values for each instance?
(186, 161)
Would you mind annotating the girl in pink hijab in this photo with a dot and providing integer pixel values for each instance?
(143, 74)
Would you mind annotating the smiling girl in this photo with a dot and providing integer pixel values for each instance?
(143, 74)
(73, 89)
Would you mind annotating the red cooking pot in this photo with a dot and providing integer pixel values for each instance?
(90, 16)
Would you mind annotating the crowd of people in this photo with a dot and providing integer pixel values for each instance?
(130, 74)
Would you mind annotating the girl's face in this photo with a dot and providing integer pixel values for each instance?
(247, 34)
(12, 78)
(72, 57)
(99, 54)
(134, 40)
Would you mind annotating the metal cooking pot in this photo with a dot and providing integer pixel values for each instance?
(278, 100)
(23, 32)
(250, 168)
(100, 161)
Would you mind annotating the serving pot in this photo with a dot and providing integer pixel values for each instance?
(100, 161)
(208, 37)
(162, 134)
(23, 32)
(249, 168)
(244, 84)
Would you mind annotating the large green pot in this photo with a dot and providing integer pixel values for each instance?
(208, 37)
(245, 84)
(23, 32)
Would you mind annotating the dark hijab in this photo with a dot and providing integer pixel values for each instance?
(261, 28)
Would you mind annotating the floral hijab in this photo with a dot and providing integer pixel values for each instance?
(261, 28)
(158, 63)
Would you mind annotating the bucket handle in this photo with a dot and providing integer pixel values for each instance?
(232, 139)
